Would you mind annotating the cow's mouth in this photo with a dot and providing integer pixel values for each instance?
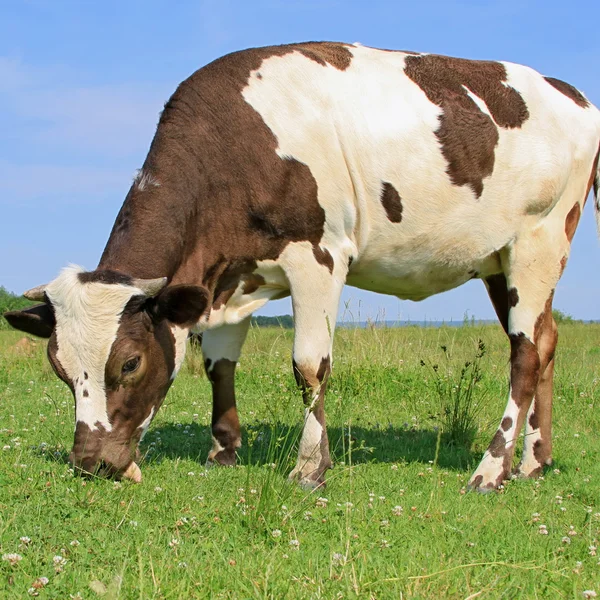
(132, 472)
(105, 470)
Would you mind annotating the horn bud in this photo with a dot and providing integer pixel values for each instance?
(150, 287)
(36, 293)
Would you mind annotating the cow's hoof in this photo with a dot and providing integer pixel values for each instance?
(311, 484)
(306, 482)
(483, 485)
(223, 458)
(527, 471)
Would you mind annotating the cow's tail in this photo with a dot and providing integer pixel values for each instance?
(597, 192)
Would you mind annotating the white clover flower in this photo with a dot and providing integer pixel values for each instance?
(295, 544)
(589, 594)
(59, 562)
(37, 585)
(174, 543)
(25, 540)
(543, 530)
(74, 543)
(276, 533)
(397, 510)
(12, 558)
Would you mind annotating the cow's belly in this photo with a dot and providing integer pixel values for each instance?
(416, 267)
(408, 279)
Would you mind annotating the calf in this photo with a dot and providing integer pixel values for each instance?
(293, 170)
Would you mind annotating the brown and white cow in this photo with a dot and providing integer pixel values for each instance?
(295, 170)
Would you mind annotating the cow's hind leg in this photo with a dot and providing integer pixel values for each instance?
(315, 287)
(533, 267)
(537, 445)
(221, 348)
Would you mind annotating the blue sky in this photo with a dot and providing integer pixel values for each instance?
(82, 83)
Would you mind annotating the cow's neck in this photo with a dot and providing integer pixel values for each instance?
(169, 230)
(149, 237)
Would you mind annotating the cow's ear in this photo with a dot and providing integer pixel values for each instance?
(180, 304)
(37, 320)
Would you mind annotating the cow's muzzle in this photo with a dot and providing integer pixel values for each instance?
(91, 466)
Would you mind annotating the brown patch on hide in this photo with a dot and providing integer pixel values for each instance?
(335, 54)
(569, 91)
(252, 283)
(572, 220)
(323, 257)
(468, 136)
(534, 422)
(498, 292)
(391, 201)
(524, 368)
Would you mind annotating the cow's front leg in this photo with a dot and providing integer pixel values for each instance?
(532, 340)
(316, 289)
(313, 452)
(221, 348)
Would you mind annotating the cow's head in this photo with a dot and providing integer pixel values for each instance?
(117, 342)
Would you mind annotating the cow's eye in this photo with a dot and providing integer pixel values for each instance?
(131, 365)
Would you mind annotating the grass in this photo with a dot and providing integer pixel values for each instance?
(393, 521)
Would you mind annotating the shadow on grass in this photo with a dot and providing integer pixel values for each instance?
(267, 443)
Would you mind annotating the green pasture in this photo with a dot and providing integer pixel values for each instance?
(393, 522)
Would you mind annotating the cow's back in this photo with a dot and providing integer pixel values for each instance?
(425, 162)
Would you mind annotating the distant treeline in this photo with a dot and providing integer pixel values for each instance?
(284, 321)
